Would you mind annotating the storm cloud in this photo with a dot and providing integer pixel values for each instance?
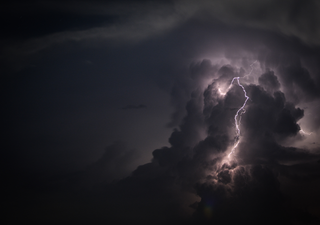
(81, 148)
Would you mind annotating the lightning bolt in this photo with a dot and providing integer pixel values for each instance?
(306, 133)
(241, 110)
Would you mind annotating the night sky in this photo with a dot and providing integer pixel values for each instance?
(135, 112)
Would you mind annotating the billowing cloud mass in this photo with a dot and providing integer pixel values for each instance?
(177, 158)
(246, 185)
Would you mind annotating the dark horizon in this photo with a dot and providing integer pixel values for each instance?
(121, 112)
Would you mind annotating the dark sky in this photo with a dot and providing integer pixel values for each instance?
(124, 112)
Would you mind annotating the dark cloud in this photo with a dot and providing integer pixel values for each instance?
(296, 75)
(114, 164)
(255, 185)
(269, 82)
